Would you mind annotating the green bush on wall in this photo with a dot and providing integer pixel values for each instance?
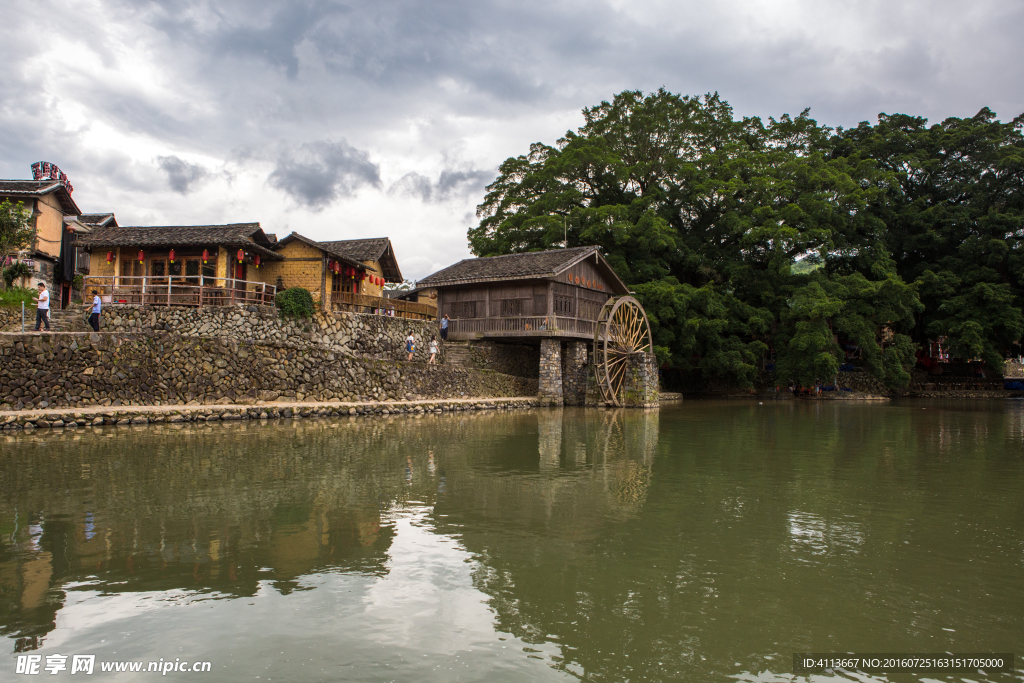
(295, 302)
(15, 271)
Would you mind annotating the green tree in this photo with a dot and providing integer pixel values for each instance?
(17, 230)
(704, 216)
(954, 216)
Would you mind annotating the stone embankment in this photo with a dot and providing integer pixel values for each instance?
(69, 370)
(138, 415)
(359, 334)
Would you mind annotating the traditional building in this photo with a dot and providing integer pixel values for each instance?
(556, 299)
(180, 264)
(344, 275)
(556, 293)
(58, 223)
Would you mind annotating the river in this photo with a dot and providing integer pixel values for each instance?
(707, 541)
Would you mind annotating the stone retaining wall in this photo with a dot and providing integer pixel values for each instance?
(82, 369)
(522, 360)
(360, 334)
(11, 317)
(70, 419)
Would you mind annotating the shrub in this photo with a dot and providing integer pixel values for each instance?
(295, 302)
(15, 271)
(78, 282)
(14, 296)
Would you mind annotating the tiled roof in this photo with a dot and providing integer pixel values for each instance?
(360, 250)
(243, 235)
(29, 186)
(38, 188)
(322, 246)
(98, 219)
(534, 264)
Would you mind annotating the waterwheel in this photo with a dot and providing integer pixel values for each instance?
(622, 332)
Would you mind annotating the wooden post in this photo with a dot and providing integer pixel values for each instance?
(142, 298)
(551, 304)
(323, 283)
(200, 286)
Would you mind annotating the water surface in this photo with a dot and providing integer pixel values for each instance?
(705, 541)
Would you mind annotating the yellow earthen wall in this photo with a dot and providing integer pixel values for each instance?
(302, 267)
(49, 225)
(365, 287)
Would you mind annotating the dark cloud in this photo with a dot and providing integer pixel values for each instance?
(317, 173)
(451, 184)
(181, 175)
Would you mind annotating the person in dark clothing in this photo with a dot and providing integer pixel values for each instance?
(94, 317)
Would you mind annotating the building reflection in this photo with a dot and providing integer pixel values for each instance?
(228, 509)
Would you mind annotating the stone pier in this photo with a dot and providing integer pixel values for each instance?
(549, 385)
(574, 373)
(640, 385)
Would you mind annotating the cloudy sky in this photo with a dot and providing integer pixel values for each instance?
(362, 119)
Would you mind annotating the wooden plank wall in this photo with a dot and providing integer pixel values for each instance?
(569, 300)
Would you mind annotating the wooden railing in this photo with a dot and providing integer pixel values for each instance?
(528, 326)
(178, 290)
(364, 303)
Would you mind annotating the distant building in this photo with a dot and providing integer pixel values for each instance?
(226, 257)
(58, 222)
(224, 264)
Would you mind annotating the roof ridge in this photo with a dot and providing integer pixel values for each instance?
(531, 253)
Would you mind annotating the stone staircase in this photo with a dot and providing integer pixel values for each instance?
(67, 320)
(457, 355)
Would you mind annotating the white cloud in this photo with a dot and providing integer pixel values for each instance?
(303, 115)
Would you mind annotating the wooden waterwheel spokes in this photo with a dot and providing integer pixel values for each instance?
(622, 332)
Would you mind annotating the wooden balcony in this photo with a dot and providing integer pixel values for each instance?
(178, 290)
(521, 327)
(362, 303)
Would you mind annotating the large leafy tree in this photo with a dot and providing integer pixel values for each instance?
(954, 216)
(707, 217)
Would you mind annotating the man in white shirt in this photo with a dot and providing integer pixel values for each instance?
(94, 319)
(42, 307)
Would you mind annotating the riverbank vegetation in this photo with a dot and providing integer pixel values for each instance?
(744, 237)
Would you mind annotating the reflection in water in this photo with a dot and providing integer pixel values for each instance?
(708, 540)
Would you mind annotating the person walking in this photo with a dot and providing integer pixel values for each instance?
(444, 328)
(410, 346)
(94, 318)
(433, 350)
(42, 307)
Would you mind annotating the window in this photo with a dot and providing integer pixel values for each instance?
(564, 305)
(464, 309)
(511, 307)
(340, 283)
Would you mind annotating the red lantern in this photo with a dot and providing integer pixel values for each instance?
(257, 260)
(110, 257)
(171, 256)
(364, 276)
(142, 256)
(206, 255)
(241, 255)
